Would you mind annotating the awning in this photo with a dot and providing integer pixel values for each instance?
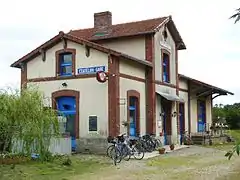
(170, 97)
(199, 88)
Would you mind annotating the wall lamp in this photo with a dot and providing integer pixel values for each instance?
(174, 114)
(64, 84)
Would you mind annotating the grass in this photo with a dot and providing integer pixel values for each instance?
(222, 147)
(167, 162)
(54, 170)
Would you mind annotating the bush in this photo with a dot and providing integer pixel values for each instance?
(25, 123)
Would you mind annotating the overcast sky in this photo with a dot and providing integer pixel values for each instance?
(212, 40)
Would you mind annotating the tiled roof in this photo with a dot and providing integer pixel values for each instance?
(131, 29)
(121, 30)
(214, 88)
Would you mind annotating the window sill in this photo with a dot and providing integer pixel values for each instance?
(168, 84)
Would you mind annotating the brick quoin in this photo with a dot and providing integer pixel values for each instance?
(150, 86)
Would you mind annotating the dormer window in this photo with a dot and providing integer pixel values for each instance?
(165, 67)
(65, 62)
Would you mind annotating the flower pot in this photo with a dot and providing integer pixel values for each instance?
(172, 147)
(161, 151)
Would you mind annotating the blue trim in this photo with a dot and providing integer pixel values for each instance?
(67, 106)
(132, 108)
(165, 129)
(132, 125)
(65, 64)
(165, 69)
(62, 64)
(181, 119)
(68, 112)
(202, 116)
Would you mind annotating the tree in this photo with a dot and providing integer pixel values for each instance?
(25, 123)
(236, 16)
(231, 113)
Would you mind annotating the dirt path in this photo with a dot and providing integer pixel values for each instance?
(194, 163)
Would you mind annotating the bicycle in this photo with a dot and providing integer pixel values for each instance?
(187, 140)
(117, 154)
(125, 147)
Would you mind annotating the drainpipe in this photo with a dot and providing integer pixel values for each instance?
(189, 109)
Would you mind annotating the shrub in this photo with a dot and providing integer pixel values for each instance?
(26, 126)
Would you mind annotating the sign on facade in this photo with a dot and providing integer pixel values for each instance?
(91, 70)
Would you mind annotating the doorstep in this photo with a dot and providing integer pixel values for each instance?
(156, 153)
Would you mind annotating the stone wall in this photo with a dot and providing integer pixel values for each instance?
(95, 145)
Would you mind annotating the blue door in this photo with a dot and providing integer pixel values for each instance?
(165, 128)
(67, 107)
(201, 116)
(181, 121)
(132, 116)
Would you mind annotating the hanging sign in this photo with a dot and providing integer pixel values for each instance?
(101, 76)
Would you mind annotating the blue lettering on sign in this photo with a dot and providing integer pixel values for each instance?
(91, 70)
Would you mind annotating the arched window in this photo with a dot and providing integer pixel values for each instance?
(65, 62)
(165, 66)
(133, 112)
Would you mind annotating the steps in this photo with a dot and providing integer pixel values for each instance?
(201, 139)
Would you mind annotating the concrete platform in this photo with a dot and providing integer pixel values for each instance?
(156, 153)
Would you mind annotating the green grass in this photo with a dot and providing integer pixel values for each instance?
(54, 170)
(234, 175)
(235, 134)
(222, 147)
(172, 161)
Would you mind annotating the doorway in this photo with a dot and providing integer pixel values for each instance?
(133, 108)
(167, 120)
(201, 115)
(67, 108)
(181, 121)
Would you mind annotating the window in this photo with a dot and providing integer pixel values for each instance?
(165, 68)
(65, 64)
(92, 123)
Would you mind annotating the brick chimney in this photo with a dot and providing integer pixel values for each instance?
(102, 19)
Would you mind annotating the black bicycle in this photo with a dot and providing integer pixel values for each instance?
(123, 148)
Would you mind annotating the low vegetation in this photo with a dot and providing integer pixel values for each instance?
(26, 126)
(61, 168)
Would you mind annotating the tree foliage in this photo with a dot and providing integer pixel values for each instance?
(231, 113)
(25, 123)
(236, 16)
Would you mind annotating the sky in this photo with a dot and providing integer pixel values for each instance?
(212, 40)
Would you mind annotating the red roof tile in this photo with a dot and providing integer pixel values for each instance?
(121, 30)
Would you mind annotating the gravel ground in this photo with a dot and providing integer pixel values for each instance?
(194, 163)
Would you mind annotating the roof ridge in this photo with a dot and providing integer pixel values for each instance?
(126, 23)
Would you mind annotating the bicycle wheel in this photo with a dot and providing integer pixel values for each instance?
(125, 153)
(109, 150)
(138, 152)
(146, 146)
(116, 156)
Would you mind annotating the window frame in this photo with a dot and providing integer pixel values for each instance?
(90, 129)
(165, 52)
(136, 95)
(59, 64)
